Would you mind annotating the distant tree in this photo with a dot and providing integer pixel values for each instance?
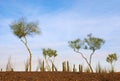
(22, 29)
(49, 55)
(89, 43)
(9, 65)
(112, 58)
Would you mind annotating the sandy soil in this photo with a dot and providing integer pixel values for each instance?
(57, 76)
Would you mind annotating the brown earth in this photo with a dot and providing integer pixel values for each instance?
(58, 76)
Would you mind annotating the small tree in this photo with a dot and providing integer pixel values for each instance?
(112, 58)
(22, 29)
(49, 53)
(9, 65)
(89, 43)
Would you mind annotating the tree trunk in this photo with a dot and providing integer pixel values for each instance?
(112, 68)
(53, 65)
(30, 62)
(48, 66)
(90, 59)
(85, 60)
(30, 56)
(26, 44)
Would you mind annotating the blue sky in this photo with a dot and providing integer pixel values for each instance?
(60, 21)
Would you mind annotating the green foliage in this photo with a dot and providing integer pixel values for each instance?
(22, 28)
(75, 44)
(111, 58)
(49, 52)
(93, 43)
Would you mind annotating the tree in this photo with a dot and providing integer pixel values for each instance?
(49, 53)
(22, 29)
(112, 58)
(89, 43)
(9, 65)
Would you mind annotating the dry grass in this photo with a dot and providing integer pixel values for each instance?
(9, 65)
(83, 74)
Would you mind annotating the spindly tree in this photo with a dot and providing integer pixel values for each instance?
(48, 54)
(112, 58)
(89, 43)
(22, 29)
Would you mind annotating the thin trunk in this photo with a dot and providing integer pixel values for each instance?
(26, 44)
(53, 65)
(48, 66)
(30, 56)
(85, 60)
(112, 68)
(90, 60)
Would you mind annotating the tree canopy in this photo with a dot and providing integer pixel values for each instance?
(111, 58)
(22, 28)
(49, 52)
(90, 43)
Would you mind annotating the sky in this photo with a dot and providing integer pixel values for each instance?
(60, 21)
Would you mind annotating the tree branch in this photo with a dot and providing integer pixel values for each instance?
(85, 60)
(90, 59)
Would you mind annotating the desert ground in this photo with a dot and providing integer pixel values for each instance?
(58, 76)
